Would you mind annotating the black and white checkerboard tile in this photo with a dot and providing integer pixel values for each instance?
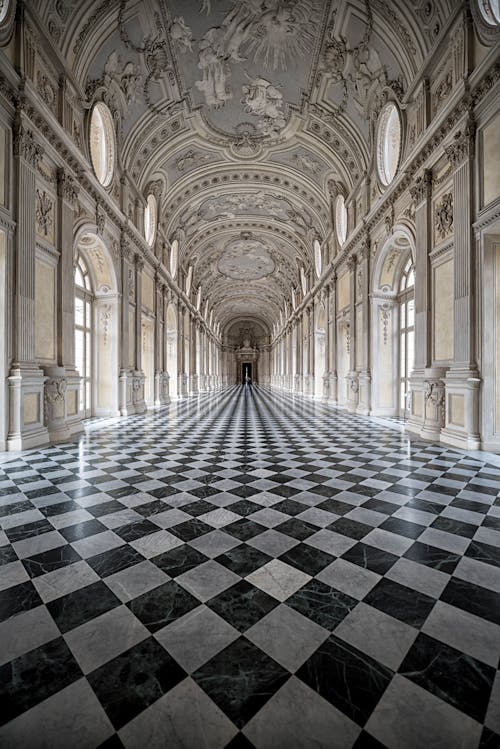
(249, 570)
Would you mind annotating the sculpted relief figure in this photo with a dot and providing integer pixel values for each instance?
(264, 100)
(181, 33)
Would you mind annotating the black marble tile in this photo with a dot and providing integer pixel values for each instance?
(34, 676)
(240, 680)
(491, 521)
(402, 527)
(449, 525)
(203, 492)
(152, 508)
(431, 556)
(162, 605)
(244, 528)
(112, 743)
(284, 490)
(137, 529)
(122, 491)
(296, 528)
(243, 559)
(401, 602)
(163, 491)
(114, 560)
(378, 505)
(288, 506)
(87, 491)
(350, 680)
(44, 491)
(82, 530)
(105, 508)
(240, 741)
(321, 603)
(82, 605)
(15, 508)
(135, 679)
(198, 508)
(307, 558)
(60, 508)
(370, 558)
(48, 561)
(18, 598)
(484, 553)
(366, 741)
(242, 605)
(489, 739)
(351, 528)
(459, 679)
(244, 492)
(190, 529)
(477, 600)
(179, 560)
(7, 555)
(20, 532)
(469, 504)
(336, 506)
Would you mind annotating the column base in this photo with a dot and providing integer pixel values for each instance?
(26, 407)
(462, 409)
(353, 395)
(139, 404)
(182, 385)
(364, 405)
(193, 384)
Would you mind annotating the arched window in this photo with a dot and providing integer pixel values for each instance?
(341, 219)
(4, 9)
(174, 253)
(83, 334)
(406, 334)
(150, 220)
(318, 259)
(102, 143)
(388, 143)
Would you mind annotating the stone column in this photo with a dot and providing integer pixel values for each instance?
(425, 381)
(63, 381)
(298, 355)
(290, 358)
(166, 375)
(158, 348)
(26, 379)
(182, 389)
(139, 378)
(353, 399)
(193, 375)
(326, 377)
(128, 294)
(332, 346)
(363, 292)
(462, 380)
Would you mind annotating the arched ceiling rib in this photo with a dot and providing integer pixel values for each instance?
(245, 110)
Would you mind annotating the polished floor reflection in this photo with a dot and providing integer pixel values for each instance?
(249, 570)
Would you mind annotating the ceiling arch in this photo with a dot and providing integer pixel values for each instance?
(244, 111)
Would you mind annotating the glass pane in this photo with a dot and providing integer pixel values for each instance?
(402, 319)
(411, 280)
(411, 351)
(87, 395)
(79, 353)
(403, 356)
(402, 397)
(79, 278)
(87, 355)
(78, 311)
(411, 313)
(88, 318)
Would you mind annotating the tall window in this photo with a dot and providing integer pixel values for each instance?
(406, 334)
(83, 334)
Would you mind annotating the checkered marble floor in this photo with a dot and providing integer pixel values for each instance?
(249, 570)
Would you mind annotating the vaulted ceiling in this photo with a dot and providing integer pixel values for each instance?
(245, 111)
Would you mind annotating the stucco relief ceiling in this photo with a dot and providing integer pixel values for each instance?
(246, 258)
(245, 109)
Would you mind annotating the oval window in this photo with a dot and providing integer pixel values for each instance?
(341, 219)
(174, 252)
(150, 220)
(189, 279)
(490, 11)
(318, 259)
(4, 9)
(102, 143)
(198, 299)
(388, 143)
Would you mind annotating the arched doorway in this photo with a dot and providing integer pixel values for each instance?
(171, 333)
(96, 327)
(393, 326)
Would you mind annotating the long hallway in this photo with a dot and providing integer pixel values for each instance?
(249, 569)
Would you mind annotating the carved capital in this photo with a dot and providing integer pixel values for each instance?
(67, 188)
(125, 249)
(155, 187)
(100, 218)
(422, 187)
(463, 146)
(139, 263)
(26, 147)
(351, 263)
